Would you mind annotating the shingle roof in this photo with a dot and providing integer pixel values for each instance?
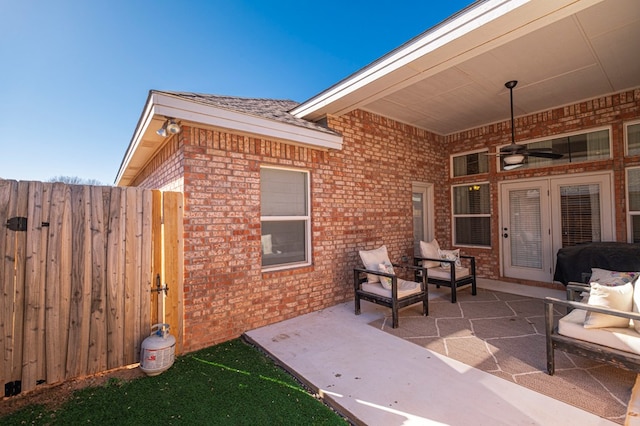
(272, 109)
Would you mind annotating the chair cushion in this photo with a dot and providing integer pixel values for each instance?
(405, 288)
(619, 297)
(450, 255)
(445, 273)
(431, 250)
(622, 338)
(372, 258)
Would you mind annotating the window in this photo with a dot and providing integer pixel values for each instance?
(632, 133)
(472, 214)
(633, 209)
(576, 148)
(285, 218)
(470, 164)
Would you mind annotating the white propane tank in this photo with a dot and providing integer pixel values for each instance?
(158, 350)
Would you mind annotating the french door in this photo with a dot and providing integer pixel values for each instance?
(540, 216)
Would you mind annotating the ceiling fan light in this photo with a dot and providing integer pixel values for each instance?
(513, 159)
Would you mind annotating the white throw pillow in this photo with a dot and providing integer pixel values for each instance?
(450, 255)
(388, 269)
(612, 278)
(618, 297)
(431, 250)
(372, 258)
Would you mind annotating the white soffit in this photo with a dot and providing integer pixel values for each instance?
(452, 77)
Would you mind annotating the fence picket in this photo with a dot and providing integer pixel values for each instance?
(8, 196)
(32, 290)
(97, 356)
(22, 210)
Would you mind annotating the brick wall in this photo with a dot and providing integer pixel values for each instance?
(613, 111)
(361, 199)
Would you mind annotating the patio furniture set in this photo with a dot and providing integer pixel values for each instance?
(602, 320)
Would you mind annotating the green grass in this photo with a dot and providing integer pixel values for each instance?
(232, 384)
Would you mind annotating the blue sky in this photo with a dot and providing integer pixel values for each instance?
(75, 74)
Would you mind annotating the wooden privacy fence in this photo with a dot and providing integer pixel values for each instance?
(80, 271)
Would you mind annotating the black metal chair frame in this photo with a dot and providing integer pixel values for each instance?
(452, 282)
(394, 302)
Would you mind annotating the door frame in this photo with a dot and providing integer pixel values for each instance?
(607, 211)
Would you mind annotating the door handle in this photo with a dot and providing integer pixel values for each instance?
(505, 235)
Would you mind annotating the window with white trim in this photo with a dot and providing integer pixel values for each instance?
(632, 137)
(472, 214)
(470, 164)
(285, 218)
(576, 148)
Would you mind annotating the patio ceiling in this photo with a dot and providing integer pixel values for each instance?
(451, 78)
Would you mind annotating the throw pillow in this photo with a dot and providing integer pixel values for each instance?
(372, 258)
(388, 269)
(618, 297)
(430, 250)
(450, 255)
(612, 278)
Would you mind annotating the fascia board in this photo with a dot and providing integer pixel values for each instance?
(136, 139)
(181, 109)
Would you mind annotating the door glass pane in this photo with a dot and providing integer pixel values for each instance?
(525, 233)
(635, 221)
(418, 220)
(580, 211)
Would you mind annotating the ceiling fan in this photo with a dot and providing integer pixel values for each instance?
(514, 154)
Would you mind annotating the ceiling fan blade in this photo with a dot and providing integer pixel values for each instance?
(512, 149)
(544, 153)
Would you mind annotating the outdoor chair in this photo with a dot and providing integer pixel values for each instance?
(602, 321)
(446, 268)
(378, 283)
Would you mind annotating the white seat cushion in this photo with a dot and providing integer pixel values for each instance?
(405, 288)
(622, 338)
(445, 273)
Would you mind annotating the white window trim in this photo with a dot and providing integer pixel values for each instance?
(454, 216)
(306, 218)
(626, 135)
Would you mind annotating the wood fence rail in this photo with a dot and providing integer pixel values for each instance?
(78, 275)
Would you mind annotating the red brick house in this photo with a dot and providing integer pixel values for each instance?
(279, 196)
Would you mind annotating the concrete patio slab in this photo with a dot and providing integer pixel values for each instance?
(377, 379)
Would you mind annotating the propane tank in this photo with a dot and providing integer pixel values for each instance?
(158, 350)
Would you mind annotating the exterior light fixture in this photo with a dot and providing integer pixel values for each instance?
(170, 126)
